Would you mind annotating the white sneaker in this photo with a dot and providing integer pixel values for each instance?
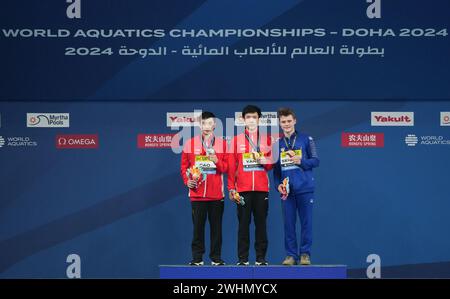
(194, 263)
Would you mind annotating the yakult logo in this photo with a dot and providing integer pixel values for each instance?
(392, 118)
(183, 119)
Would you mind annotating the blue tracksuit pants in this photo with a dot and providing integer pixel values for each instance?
(301, 204)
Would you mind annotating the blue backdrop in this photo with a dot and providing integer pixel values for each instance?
(124, 210)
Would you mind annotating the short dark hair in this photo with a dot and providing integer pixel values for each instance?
(286, 112)
(251, 109)
(207, 114)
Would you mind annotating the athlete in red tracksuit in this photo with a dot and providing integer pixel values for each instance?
(209, 153)
(248, 175)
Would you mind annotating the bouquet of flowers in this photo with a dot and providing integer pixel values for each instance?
(285, 186)
(196, 174)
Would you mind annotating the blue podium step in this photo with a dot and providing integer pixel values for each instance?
(253, 272)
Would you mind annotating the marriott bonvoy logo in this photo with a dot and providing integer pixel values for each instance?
(392, 118)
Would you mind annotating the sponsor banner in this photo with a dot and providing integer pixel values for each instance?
(183, 119)
(267, 119)
(78, 141)
(427, 140)
(362, 139)
(445, 119)
(392, 119)
(17, 141)
(157, 140)
(2, 141)
(411, 140)
(48, 120)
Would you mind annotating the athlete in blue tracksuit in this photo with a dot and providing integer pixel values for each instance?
(297, 158)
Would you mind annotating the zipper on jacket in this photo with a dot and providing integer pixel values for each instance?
(206, 185)
(223, 192)
(253, 181)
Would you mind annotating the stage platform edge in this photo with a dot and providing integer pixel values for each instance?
(253, 272)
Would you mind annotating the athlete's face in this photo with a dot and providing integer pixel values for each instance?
(251, 120)
(287, 123)
(207, 126)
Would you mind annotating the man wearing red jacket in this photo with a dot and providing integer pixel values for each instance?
(205, 155)
(248, 166)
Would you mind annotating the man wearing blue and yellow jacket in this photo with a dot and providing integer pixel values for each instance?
(294, 180)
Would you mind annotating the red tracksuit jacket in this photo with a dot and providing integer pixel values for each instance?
(243, 176)
(213, 187)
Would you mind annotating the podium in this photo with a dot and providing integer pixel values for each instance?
(253, 272)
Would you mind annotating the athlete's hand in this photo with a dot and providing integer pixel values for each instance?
(282, 189)
(213, 158)
(297, 160)
(231, 195)
(261, 160)
(192, 184)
